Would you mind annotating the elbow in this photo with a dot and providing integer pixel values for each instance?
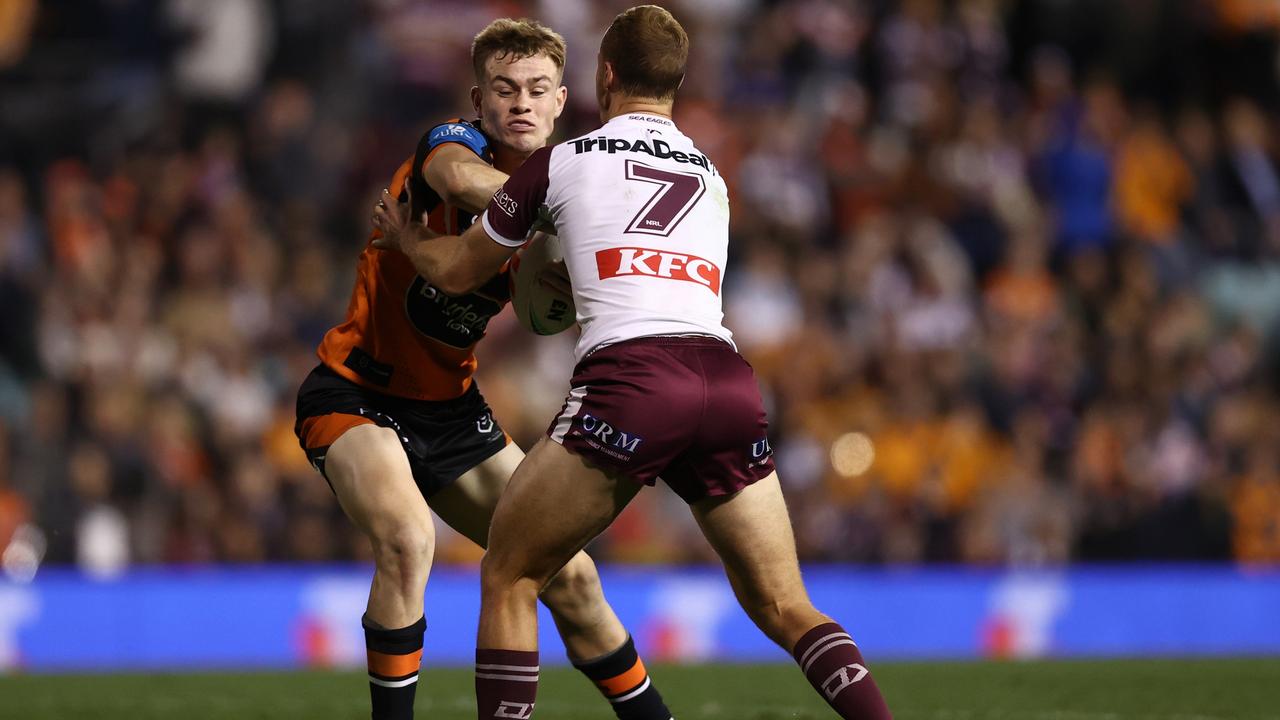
(456, 282)
(454, 187)
(450, 195)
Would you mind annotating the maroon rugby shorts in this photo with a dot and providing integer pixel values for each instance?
(686, 409)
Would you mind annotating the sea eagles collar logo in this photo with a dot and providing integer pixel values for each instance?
(651, 119)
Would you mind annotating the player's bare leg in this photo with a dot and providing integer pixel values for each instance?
(595, 639)
(751, 532)
(585, 621)
(370, 474)
(554, 505)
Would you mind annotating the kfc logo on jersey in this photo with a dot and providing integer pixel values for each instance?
(505, 201)
(617, 262)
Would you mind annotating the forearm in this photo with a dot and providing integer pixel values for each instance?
(471, 185)
(424, 248)
(438, 258)
(454, 264)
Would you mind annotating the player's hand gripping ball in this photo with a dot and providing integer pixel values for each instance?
(541, 296)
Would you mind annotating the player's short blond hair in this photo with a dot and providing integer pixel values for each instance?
(648, 50)
(516, 39)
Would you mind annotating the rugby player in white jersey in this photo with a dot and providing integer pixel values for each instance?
(658, 390)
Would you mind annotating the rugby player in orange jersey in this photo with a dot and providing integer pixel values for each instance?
(393, 419)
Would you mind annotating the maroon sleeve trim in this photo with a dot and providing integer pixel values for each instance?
(514, 208)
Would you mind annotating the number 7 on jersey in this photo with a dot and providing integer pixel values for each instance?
(676, 195)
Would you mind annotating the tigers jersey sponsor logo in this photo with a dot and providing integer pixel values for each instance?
(450, 131)
(617, 262)
(458, 322)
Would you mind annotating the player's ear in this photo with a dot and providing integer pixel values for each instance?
(609, 76)
(562, 95)
(475, 99)
(604, 83)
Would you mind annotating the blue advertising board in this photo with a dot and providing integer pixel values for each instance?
(294, 617)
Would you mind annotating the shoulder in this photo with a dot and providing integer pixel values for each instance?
(558, 157)
(462, 132)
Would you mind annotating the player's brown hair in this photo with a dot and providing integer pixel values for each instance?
(648, 50)
(516, 38)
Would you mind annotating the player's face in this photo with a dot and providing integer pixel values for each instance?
(520, 101)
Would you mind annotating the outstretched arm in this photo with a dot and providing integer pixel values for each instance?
(456, 264)
(461, 178)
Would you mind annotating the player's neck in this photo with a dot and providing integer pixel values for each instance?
(623, 105)
(507, 160)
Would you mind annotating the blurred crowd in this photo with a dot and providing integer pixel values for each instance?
(1009, 272)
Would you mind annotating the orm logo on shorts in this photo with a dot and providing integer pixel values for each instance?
(614, 442)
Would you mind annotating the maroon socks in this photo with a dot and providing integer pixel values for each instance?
(506, 683)
(835, 668)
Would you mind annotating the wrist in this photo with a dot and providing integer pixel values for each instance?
(410, 235)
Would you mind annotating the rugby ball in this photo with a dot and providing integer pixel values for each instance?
(540, 309)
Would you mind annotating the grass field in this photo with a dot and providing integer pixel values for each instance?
(1110, 690)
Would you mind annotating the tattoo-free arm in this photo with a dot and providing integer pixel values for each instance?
(461, 178)
(456, 264)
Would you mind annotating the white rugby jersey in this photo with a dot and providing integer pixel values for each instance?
(643, 218)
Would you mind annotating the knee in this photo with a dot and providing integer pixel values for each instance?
(404, 547)
(504, 573)
(577, 585)
(498, 569)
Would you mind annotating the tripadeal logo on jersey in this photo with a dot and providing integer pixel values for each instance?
(658, 148)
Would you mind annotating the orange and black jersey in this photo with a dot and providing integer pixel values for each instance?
(402, 336)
